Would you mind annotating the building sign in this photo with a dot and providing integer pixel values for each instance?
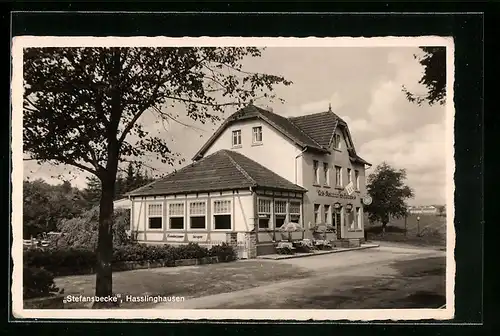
(177, 237)
(197, 237)
(367, 200)
(327, 193)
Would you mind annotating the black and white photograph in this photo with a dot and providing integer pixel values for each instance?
(233, 178)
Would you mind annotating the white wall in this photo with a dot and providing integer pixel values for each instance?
(276, 152)
(336, 158)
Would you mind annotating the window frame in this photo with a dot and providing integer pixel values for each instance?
(155, 216)
(356, 178)
(189, 228)
(290, 213)
(169, 204)
(270, 213)
(275, 213)
(316, 173)
(230, 213)
(238, 137)
(317, 214)
(359, 217)
(254, 133)
(338, 182)
(327, 213)
(349, 175)
(326, 174)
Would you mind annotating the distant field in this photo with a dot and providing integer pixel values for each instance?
(432, 230)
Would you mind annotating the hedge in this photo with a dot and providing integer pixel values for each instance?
(82, 261)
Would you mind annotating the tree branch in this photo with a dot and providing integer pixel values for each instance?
(65, 161)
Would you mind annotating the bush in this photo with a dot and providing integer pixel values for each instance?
(61, 261)
(82, 261)
(38, 282)
(224, 252)
(284, 250)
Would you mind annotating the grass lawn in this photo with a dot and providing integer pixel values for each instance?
(431, 231)
(187, 282)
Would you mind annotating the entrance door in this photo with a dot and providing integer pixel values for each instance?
(337, 222)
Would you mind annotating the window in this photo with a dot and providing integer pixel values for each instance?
(326, 173)
(279, 213)
(294, 212)
(197, 213)
(327, 214)
(176, 216)
(336, 141)
(356, 178)
(155, 216)
(338, 176)
(264, 213)
(236, 138)
(222, 215)
(257, 135)
(349, 177)
(316, 214)
(316, 175)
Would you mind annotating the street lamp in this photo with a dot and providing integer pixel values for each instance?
(337, 205)
(418, 226)
(348, 207)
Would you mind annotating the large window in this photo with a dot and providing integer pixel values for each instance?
(349, 175)
(326, 174)
(197, 215)
(327, 214)
(315, 171)
(351, 220)
(294, 210)
(222, 215)
(176, 216)
(236, 138)
(279, 213)
(338, 176)
(257, 135)
(155, 216)
(317, 214)
(356, 179)
(264, 213)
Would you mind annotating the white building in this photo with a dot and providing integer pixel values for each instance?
(258, 171)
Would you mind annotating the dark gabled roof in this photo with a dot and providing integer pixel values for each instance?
(222, 170)
(319, 126)
(281, 124)
(311, 132)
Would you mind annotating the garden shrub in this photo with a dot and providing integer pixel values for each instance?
(224, 252)
(284, 250)
(62, 261)
(38, 282)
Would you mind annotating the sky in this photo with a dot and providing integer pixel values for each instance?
(363, 86)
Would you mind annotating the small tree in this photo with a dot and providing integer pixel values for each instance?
(83, 108)
(387, 188)
(433, 79)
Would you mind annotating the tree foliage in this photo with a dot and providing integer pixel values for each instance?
(387, 188)
(82, 231)
(133, 179)
(83, 107)
(45, 205)
(433, 78)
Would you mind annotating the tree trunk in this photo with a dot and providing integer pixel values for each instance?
(104, 279)
(384, 224)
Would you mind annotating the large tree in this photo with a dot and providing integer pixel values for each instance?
(389, 193)
(433, 60)
(82, 107)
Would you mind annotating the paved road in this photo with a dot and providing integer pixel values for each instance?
(337, 279)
